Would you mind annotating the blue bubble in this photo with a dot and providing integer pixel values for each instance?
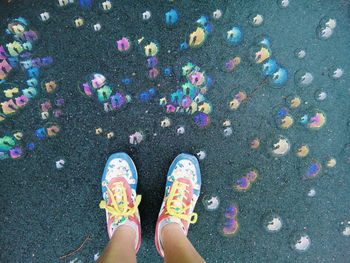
(45, 61)
(183, 46)
(269, 67)
(280, 76)
(176, 97)
(40, 133)
(210, 81)
(127, 81)
(167, 71)
(171, 16)
(234, 35)
(30, 145)
(266, 41)
(13, 61)
(209, 28)
(33, 82)
(304, 119)
(85, 3)
(145, 96)
(33, 72)
(282, 112)
(203, 20)
(152, 91)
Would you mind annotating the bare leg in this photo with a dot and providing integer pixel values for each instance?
(121, 247)
(177, 247)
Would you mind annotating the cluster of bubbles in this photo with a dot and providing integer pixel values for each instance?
(17, 54)
(14, 55)
(103, 5)
(190, 98)
(97, 88)
(246, 180)
(229, 225)
(261, 54)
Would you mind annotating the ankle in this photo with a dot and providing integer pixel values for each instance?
(125, 232)
(170, 229)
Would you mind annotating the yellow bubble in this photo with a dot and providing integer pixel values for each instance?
(205, 107)
(234, 104)
(9, 92)
(331, 162)
(295, 102)
(18, 135)
(78, 22)
(303, 150)
(151, 49)
(226, 123)
(286, 122)
(110, 134)
(197, 37)
(166, 122)
(98, 130)
(262, 55)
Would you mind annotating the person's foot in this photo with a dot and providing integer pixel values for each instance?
(119, 182)
(181, 194)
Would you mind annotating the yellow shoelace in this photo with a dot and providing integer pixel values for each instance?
(177, 207)
(119, 201)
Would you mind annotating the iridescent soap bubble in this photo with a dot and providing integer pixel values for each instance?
(106, 5)
(324, 32)
(302, 150)
(228, 225)
(44, 16)
(279, 77)
(228, 131)
(331, 162)
(335, 72)
(272, 222)
(259, 53)
(345, 228)
(254, 143)
(293, 101)
(279, 146)
(313, 169)
(78, 22)
(60, 163)
(256, 19)
(96, 27)
(171, 16)
(283, 3)
(146, 15)
(303, 78)
(136, 138)
(316, 119)
(311, 192)
(217, 14)
(329, 22)
(180, 130)
(320, 95)
(231, 64)
(16, 152)
(300, 53)
(123, 44)
(269, 67)
(201, 119)
(238, 98)
(234, 35)
(201, 155)
(211, 202)
(166, 122)
(149, 48)
(282, 117)
(197, 37)
(300, 242)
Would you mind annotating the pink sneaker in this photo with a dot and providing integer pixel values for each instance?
(119, 182)
(181, 194)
